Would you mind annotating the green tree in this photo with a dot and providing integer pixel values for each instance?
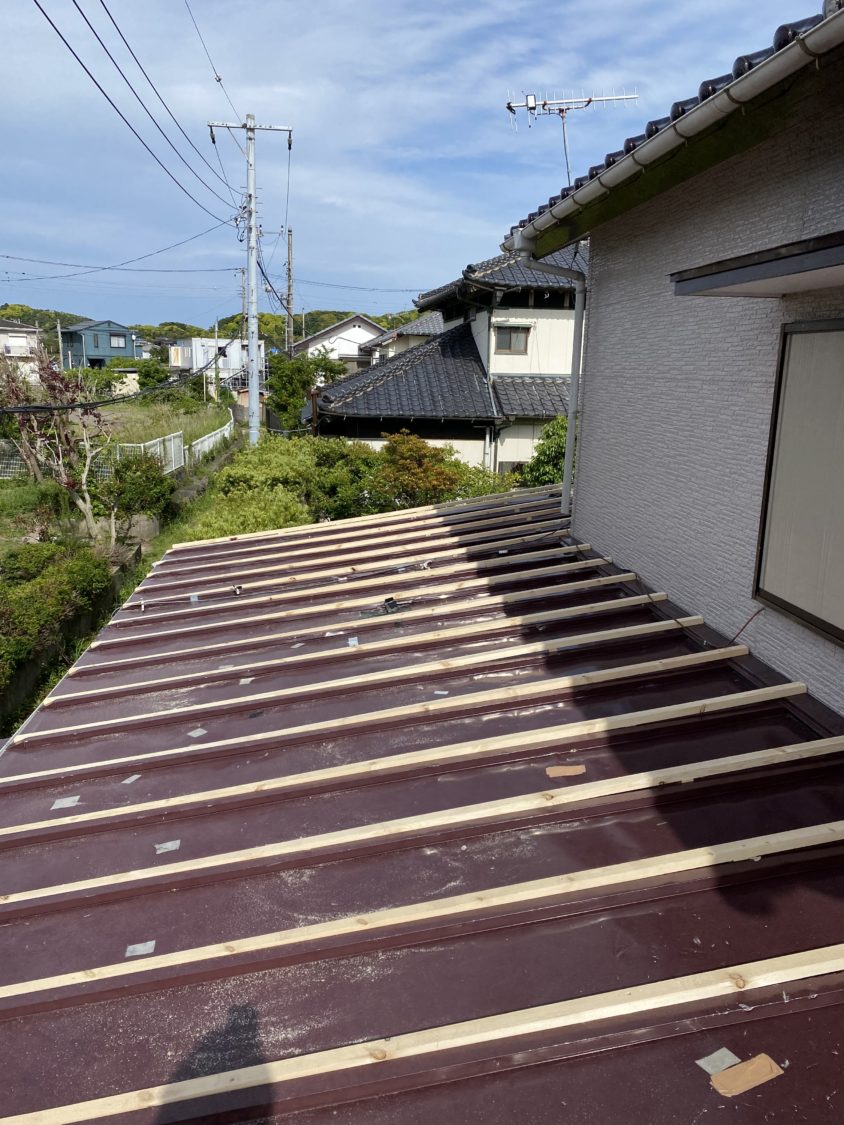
(290, 381)
(151, 372)
(137, 486)
(412, 473)
(546, 465)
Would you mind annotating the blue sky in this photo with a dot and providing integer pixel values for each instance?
(405, 165)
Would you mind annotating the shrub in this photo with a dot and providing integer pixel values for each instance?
(138, 486)
(27, 561)
(244, 510)
(411, 473)
(475, 481)
(546, 465)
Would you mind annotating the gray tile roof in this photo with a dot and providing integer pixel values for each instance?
(431, 324)
(16, 326)
(509, 271)
(526, 396)
(443, 377)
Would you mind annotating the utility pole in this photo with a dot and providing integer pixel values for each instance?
(59, 338)
(217, 360)
(252, 259)
(288, 320)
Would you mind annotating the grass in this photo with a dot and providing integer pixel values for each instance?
(17, 497)
(139, 422)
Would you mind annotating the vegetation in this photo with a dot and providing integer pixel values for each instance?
(291, 380)
(546, 465)
(137, 486)
(148, 418)
(42, 587)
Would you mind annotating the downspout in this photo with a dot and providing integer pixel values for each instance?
(524, 247)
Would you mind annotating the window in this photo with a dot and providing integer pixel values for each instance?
(117, 341)
(511, 340)
(96, 340)
(801, 540)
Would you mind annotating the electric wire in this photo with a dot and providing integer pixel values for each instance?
(283, 229)
(125, 120)
(145, 108)
(214, 70)
(172, 116)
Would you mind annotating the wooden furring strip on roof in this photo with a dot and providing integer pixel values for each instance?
(630, 720)
(728, 981)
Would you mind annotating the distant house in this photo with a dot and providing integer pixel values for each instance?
(711, 455)
(343, 341)
(487, 383)
(93, 343)
(19, 343)
(396, 340)
(198, 352)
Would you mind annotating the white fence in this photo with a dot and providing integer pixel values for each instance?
(170, 451)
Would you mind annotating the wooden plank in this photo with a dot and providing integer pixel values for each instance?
(174, 612)
(639, 1000)
(630, 720)
(399, 577)
(386, 569)
(420, 827)
(512, 693)
(256, 619)
(479, 603)
(493, 501)
(486, 540)
(576, 793)
(473, 903)
(398, 644)
(436, 533)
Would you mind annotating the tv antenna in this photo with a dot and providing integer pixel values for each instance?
(561, 107)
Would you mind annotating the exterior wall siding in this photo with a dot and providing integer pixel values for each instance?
(678, 391)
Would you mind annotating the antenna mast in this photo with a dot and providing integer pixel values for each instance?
(561, 107)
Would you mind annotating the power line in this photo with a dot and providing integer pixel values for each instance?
(125, 120)
(172, 116)
(359, 288)
(286, 208)
(214, 70)
(144, 106)
(120, 265)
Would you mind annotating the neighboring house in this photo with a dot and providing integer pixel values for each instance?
(93, 343)
(343, 340)
(712, 435)
(396, 340)
(232, 358)
(19, 343)
(488, 383)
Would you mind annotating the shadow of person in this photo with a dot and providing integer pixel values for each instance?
(234, 1046)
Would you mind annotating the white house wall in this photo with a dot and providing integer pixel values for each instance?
(678, 390)
(467, 449)
(344, 343)
(517, 443)
(549, 342)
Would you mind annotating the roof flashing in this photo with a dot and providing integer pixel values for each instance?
(795, 267)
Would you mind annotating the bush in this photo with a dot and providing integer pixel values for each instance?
(546, 465)
(475, 481)
(244, 510)
(23, 563)
(138, 486)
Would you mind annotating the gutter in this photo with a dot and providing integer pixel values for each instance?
(805, 48)
(524, 246)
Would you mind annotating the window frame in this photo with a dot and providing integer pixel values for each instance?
(511, 328)
(804, 617)
(112, 336)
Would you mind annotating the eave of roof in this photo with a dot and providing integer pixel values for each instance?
(506, 271)
(525, 396)
(449, 755)
(333, 328)
(698, 133)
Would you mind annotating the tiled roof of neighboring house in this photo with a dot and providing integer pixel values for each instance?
(443, 377)
(524, 396)
(16, 326)
(509, 271)
(331, 328)
(427, 816)
(716, 100)
(431, 324)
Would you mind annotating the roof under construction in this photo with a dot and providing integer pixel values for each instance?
(430, 816)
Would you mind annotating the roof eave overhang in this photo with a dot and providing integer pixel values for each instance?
(746, 112)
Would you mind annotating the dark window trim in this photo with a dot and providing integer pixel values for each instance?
(796, 613)
(511, 328)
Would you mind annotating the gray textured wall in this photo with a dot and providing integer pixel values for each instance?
(678, 390)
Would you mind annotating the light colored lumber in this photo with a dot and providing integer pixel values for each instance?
(577, 793)
(397, 644)
(479, 603)
(384, 552)
(240, 603)
(726, 982)
(278, 615)
(536, 739)
(420, 826)
(364, 566)
(395, 577)
(375, 537)
(493, 502)
(512, 693)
